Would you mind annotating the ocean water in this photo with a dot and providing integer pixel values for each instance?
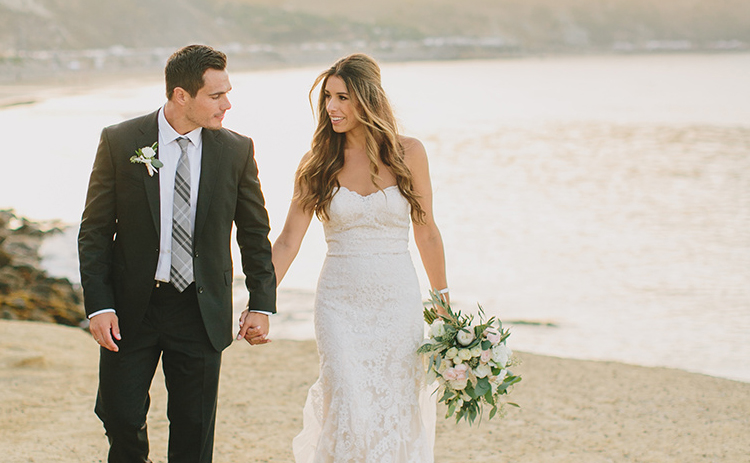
(600, 205)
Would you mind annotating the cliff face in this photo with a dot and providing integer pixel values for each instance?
(26, 291)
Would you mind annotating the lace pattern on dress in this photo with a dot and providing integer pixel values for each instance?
(369, 404)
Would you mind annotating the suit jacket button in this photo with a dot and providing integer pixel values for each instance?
(200, 289)
(196, 253)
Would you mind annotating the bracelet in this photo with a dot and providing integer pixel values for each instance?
(442, 291)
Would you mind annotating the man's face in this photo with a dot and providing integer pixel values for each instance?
(208, 106)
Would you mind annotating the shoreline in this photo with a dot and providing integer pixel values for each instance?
(38, 90)
(604, 411)
(67, 82)
(294, 322)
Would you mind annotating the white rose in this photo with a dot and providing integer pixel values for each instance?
(501, 354)
(148, 152)
(464, 354)
(465, 336)
(437, 328)
(459, 384)
(482, 370)
(451, 353)
(476, 351)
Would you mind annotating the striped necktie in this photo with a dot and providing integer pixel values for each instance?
(181, 273)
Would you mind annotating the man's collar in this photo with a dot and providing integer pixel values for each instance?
(169, 134)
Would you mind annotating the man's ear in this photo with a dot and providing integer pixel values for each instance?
(180, 95)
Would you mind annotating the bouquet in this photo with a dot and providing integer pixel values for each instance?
(470, 362)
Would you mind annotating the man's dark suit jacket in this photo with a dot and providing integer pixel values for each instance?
(118, 242)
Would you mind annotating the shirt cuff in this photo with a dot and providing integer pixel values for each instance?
(98, 312)
(261, 311)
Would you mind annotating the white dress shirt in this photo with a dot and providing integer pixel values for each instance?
(169, 154)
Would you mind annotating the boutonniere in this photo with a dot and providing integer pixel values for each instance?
(147, 155)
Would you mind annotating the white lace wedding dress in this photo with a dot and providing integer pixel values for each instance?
(369, 404)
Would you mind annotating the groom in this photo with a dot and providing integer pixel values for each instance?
(154, 250)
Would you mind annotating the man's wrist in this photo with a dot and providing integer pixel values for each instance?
(260, 311)
(99, 312)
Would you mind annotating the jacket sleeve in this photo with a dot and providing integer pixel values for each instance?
(97, 231)
(251, 219)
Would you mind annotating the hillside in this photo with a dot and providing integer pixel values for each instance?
(39, 36)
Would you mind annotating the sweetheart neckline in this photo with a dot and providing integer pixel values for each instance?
(367, 195)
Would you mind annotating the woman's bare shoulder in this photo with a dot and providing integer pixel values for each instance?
(413, 149)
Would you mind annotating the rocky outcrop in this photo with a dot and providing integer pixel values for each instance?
(26, 291)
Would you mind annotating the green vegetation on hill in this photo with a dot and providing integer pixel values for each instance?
(534, 25)
(39, 36)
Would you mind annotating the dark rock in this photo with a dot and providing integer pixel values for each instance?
(26, 291)
(4, 257)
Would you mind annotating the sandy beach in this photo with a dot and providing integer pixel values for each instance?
(571, 410)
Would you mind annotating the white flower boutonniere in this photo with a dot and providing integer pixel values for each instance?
(147, 155)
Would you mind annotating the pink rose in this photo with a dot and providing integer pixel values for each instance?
(492, 335)
(450, 374)
(485, 356)
(461, 371)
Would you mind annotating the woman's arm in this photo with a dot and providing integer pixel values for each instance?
(426, 235)
(283, 252)
(287, 244)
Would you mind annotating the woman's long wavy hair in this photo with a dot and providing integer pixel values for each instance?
(317, 177)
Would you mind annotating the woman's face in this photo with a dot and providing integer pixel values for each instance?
(341, 108)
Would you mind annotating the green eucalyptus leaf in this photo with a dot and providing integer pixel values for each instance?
(482, 387)
(451, 410)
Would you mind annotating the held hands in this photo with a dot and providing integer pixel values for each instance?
(105, 329)
(254, 327)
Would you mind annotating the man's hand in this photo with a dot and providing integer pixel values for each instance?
(104, 327)
(254, 327)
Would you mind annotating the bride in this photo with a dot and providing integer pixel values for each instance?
(366, 184)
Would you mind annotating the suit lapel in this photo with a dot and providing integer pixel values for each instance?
(149, 134)
(211, 160)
